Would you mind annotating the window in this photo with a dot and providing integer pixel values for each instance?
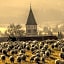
(29, 31)
(35, 30)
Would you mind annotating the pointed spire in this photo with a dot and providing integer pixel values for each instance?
(31, 19)
(30, 5)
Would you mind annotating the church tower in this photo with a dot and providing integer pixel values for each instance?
(31, 25)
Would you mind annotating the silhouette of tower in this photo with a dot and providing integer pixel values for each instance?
(60, 35)
(31, 25)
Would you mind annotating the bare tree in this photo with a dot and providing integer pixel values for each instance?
(14, 30)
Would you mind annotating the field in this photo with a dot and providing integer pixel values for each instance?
(28, 51)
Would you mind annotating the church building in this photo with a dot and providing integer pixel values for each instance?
(31, 25)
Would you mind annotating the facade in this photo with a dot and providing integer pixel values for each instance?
(31, 25)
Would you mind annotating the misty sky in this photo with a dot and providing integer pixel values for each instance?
(46, 12)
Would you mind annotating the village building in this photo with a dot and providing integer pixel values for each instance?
(31, 25)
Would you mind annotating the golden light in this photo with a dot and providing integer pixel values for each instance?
(2, 29)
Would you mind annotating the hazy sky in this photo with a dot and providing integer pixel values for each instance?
(45, 11)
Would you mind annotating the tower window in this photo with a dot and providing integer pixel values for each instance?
(29, 31)
(35, 30)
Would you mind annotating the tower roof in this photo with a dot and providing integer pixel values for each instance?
(31, 20)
